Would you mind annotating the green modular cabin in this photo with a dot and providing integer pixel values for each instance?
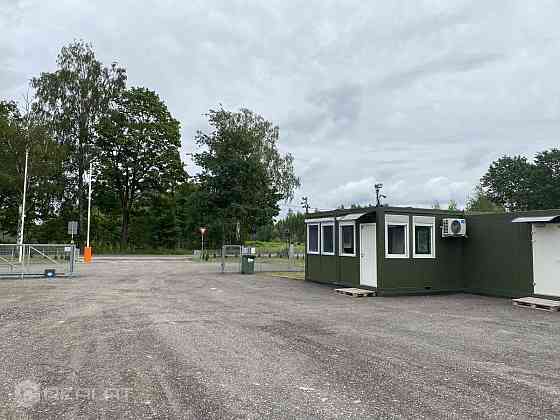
(403, 250)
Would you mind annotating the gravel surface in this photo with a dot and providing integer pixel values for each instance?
(173, 339)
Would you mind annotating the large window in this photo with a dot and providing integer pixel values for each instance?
(424, 237)
(327, 238)
(396, 236)
(347, 239)
(313, 238)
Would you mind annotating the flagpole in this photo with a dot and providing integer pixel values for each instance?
(21, 232)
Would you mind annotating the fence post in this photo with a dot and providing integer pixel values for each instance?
(72, 259)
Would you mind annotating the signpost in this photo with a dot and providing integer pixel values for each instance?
(202, 233)
(72, 229)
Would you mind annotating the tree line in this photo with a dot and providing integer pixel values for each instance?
(84, 116)
(83, 119)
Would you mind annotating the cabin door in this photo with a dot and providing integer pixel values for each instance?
(368, 255)
(546, 259)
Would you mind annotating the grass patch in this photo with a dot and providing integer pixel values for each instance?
(298, 275)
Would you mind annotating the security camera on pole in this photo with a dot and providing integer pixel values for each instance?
(378, 194)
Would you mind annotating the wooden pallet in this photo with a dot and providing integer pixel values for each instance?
(355, 292)
(537, 303)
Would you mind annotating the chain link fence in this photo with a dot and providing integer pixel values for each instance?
(37, 260)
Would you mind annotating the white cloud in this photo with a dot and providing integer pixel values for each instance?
(421, 96)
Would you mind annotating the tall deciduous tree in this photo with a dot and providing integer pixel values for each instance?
(547, 179)
(516, 184)
(18, 134)
(73, 99)
(243, 175)
(510, 182)
(138, 149)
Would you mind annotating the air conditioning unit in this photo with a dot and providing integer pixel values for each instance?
(454, 228)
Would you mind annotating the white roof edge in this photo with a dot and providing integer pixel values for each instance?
(536, 219)
(351, 216)
(320, 220)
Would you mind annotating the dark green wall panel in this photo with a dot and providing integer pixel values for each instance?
(313, 267)
(443, 273)
(498, 256)
(349, 271)
(495, 258)
(329, 269)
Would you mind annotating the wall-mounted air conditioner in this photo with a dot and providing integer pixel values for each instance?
(454, 228)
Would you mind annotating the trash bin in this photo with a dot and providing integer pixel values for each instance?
(247, 264)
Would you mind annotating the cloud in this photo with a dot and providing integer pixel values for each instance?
(420, 96)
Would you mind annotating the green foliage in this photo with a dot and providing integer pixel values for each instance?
(509, 182)
(291, 228)
(143, 200)
(452, 206)
(516, 184)
(72, 100)
(243, 175)
(481, 203)
(547, 179)
(45, 185)
(138, 153)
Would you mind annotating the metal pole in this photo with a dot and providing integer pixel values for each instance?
(89, 205)
(23, 206)
(202, 252)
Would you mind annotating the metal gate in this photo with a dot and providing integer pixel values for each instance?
(265, 261)
(28, 260)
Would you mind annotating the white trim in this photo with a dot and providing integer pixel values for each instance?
(320, 220)
(432, 253)
(333, 238)
(397, 220)
(349, 217)
(428, 220)
(318, 239)
(373, 256)
(403, 218)
(538, 219)
(340, 252)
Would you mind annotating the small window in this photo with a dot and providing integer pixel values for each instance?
(347, 240)
(396, 236)
(424, 237)
(423, 240)
(327, 239)
(313, 238)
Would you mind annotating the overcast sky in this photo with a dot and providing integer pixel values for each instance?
(421, 96)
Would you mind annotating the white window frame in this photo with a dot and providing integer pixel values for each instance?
(323, 237)
(424, 221)
(340, 249)
(397, 220)
(318, 239)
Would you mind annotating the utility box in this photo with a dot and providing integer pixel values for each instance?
(247, 264)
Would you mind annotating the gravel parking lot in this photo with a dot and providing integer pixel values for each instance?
(171, 339)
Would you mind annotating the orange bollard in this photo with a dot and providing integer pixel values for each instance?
(88, 254)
